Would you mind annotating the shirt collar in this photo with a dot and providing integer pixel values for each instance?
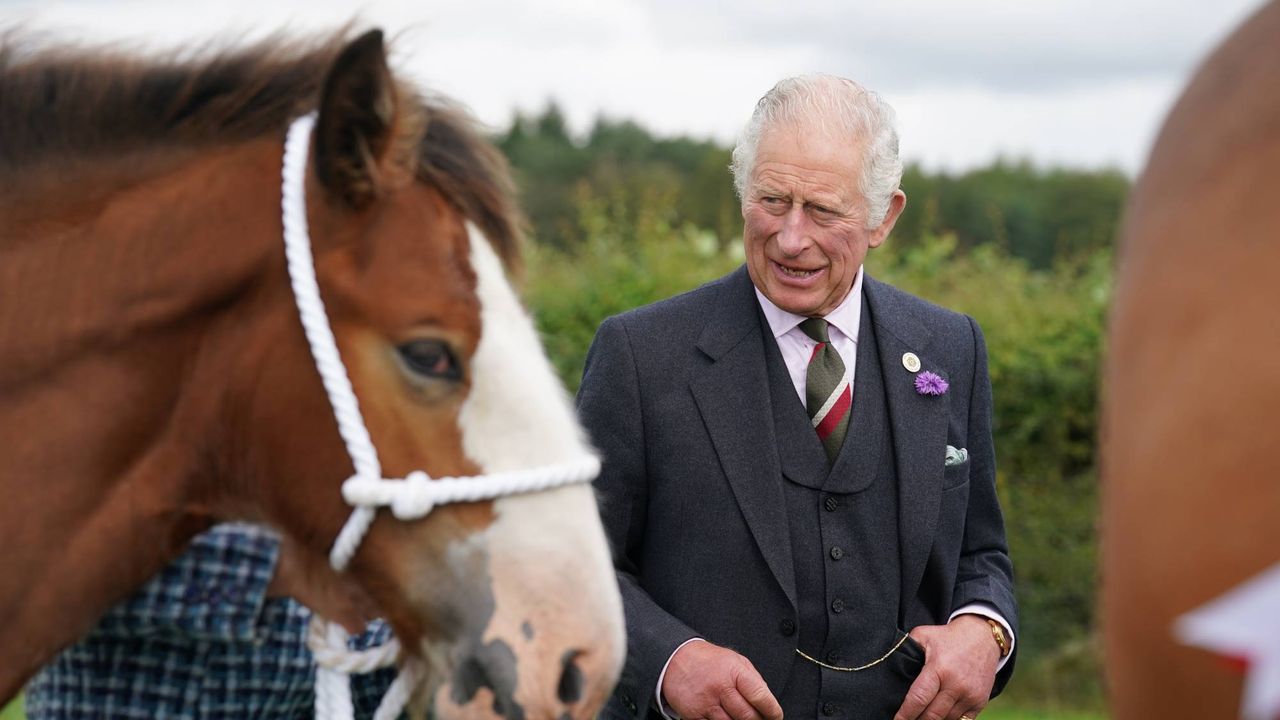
(846, 317)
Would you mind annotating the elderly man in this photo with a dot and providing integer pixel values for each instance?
(799, 479)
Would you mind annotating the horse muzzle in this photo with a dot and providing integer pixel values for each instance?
(537, 618)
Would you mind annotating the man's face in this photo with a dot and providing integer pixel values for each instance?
(804, 220)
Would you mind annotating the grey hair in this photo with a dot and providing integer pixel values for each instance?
(830, 104)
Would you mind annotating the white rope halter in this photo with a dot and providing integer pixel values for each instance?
(409, 498)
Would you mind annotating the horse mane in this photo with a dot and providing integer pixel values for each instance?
(66, 104)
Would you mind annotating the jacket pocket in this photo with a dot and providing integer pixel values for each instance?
(908, 659)
(892, 680)
(955, 476)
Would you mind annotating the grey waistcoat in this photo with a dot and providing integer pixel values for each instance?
(844, 540)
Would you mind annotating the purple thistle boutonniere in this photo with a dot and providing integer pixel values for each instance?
(928, 383)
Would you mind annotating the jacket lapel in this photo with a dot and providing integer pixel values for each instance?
(919, 425)
(732, 393)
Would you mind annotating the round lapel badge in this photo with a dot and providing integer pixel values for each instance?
(911, 362)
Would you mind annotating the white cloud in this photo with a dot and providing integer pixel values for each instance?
(1105, 125)
(994, 43)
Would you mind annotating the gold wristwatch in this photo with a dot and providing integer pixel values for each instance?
(997, 631)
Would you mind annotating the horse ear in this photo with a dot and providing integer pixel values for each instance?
(357, 114)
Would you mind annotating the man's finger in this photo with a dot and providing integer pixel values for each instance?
(756, 692)
(717, 713)
(941, 708)
(919, 695)
(738, 707)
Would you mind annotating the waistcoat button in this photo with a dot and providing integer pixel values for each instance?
(837, 605)
(828, 708)
(787, 627)
(831, 504)
(837, 552)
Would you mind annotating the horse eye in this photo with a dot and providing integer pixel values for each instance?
(430, 358)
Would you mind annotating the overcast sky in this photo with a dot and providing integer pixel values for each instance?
(1063, 82)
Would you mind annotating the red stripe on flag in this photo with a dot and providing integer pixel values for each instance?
(816, 349)
(835, 414)
(1235, 663)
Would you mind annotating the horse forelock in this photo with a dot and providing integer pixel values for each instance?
(66, 105)
(455, 158)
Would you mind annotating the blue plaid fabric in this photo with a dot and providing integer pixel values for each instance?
(201, 642)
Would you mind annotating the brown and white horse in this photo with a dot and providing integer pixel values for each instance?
(154, 376)
(1191, 468)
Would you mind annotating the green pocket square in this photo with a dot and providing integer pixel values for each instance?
(955, 457)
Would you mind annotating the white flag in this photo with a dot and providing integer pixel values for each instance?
(1244, 624)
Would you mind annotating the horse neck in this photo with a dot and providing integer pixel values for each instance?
(105, 303)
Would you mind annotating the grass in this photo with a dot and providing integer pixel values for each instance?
(1016, 713)
(1023, 708)
(13, 711)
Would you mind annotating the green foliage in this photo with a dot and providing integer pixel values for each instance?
(12, 711)
(1003, 710)
(547, 166)
(1036, 215)
(621, 161)
(1069, 676)
(626, 260)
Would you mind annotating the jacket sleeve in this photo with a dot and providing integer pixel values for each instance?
(985, 574)
(611, 408)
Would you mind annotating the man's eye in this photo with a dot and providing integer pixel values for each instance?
(430, 359)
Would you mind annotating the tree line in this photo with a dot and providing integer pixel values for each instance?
(1036, 215)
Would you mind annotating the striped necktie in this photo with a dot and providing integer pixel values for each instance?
(828, 395)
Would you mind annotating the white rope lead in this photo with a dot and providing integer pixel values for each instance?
(327, 641)
(306, 292)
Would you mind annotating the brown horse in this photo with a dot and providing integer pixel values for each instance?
(154, 376)
(1191, 475)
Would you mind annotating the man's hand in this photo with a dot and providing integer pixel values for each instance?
(708, 681)
(959, 670)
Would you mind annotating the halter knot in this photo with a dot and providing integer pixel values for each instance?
(415, 499)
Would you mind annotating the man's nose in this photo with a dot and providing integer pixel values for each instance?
(793, 236)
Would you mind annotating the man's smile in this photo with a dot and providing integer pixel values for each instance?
(794, 273)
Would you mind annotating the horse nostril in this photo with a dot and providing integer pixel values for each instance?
(491, 666)
(570, 688)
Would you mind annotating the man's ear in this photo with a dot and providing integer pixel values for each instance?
(896, 204)
(357, 113)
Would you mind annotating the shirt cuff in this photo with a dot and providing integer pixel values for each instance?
(658, 700)
(989, 611)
